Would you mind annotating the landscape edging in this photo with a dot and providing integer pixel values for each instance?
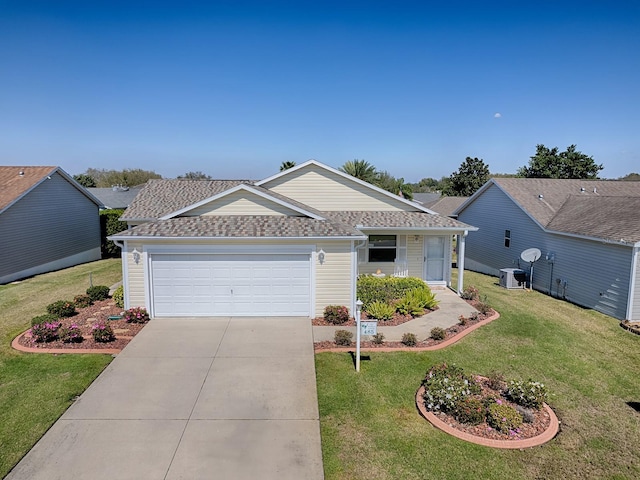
(15, 344)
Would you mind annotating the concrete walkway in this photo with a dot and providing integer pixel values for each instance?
(451, 307)
(213, 398)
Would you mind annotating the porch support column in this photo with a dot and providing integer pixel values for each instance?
(461, 241)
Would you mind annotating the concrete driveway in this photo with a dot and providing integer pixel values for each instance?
(193, 398)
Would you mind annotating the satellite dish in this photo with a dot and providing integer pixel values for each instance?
(531, 255)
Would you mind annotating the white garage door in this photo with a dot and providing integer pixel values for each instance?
(230, 285)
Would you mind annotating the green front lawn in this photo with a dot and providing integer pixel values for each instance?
(372, 430)
(35, 389)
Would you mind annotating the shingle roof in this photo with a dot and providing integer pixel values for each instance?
(527, 191)
(616, 219)
(13, 185)
(115, 198)
(163, 196)
(396, 220)
(446, 205)
(241, 226)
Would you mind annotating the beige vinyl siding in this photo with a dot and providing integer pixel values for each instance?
(334, 276)
(332, 279)
(240, 203)
(415, 256)
(327, 191)
(136, 284)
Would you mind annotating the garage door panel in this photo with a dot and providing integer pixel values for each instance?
(226, 285)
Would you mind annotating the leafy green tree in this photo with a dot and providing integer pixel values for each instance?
(127, 177)
(360, 169)
(472, 174)
(195, 176)
(286, 165)
(551, 163)
(388, 182)
(85, 180)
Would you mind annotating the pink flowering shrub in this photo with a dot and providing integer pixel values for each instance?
(336, 314)
(45, 332)
(71, 334)
(102, 332)
(136, 315)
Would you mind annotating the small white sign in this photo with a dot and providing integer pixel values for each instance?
(368, 328)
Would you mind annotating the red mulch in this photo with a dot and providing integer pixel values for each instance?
(84, 319)
(398, 319)
(540, 423)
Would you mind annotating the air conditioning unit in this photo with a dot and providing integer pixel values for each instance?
(513, 278)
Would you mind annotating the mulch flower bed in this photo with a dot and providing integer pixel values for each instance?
(85, 319)
(541, 420)
(427, 342)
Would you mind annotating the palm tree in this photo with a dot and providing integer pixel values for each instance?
(287, 165)
(360, 169)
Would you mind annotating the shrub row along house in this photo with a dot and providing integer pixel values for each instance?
(290, 244)
(47, 222)
(587, 230)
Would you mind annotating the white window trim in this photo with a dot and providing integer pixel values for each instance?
(401, 250)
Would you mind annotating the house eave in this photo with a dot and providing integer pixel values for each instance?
(239, 239)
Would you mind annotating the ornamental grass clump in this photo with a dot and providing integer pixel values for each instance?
(343, 338)
(528, 393)
(136, 315)
(45, 332)
(336, 314)
(381, 310)
(409, 339)
(102, 332)
(438, 333)
(445, 386)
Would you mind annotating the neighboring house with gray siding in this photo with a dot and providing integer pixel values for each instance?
(47, 222)
(116, 197)
(588, 232)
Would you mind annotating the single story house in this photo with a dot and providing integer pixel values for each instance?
(446, 205)
(290, 244)
(47, 222)
(588, 232)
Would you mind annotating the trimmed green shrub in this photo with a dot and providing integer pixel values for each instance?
(102, 332)
(70, 334)
(378, 339)
(408, 305)
(110, 225)
(445, 385)
(98, 292)
(528, 393)
(62, 308)
(136, 315)
(438, 333)
(409, 339)
(118, 296)
(336, 314)
(470, 410)
(46, 318)
(503, 418)
(82, 301)
(387, 289)
(45, 332)
(381, 310)
(343, 338)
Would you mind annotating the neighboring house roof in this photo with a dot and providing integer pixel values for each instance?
(592, 208)
(192, 209)
(16, 182)
(426, 197)
(115, 197)
(446, 205)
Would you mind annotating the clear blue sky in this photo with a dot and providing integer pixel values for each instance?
(234, 88)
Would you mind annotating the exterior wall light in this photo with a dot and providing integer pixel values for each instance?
(136, 255)
(321, 256)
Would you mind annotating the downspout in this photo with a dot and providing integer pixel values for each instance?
(461, 244)
(632, 281)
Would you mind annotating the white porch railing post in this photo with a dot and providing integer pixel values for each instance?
(461, 242)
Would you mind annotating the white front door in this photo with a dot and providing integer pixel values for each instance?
(435, 253)
(230, 285)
